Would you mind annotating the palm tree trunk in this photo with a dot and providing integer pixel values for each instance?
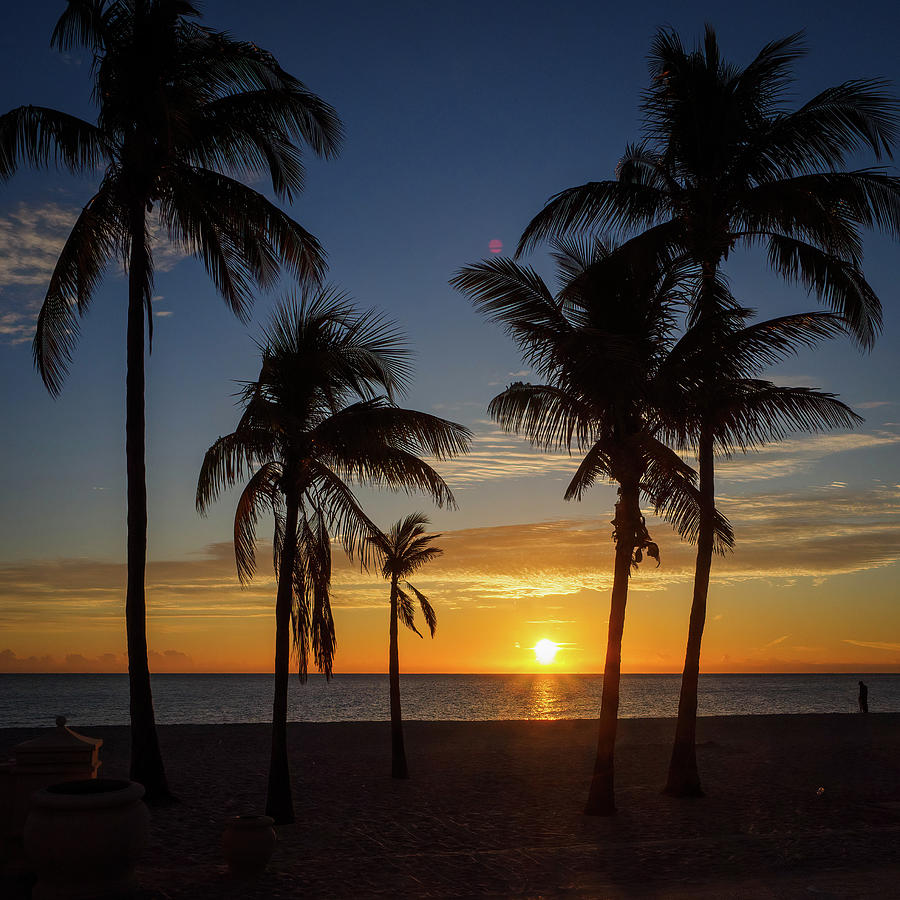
(601, 799)
(279, 800)
(146, 759)
(684, 779)
(398, 752)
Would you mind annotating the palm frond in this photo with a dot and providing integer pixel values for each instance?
(670, 485)
(320, 338)
(226, 461)
(427, 609)
(311, 616)
(43, 137)
(97, 237)
(548, 416)
(837, 283)
(751, 348)
(834, 125)
(604, 205)
(261, 131)
(761, 412)
(241, 238)
(511, 294)
(406, 611)
(261, 494)
(347, 434)
(82, 22)
(342, 511)
(598, 461)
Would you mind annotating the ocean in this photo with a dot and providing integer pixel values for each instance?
(35, 700)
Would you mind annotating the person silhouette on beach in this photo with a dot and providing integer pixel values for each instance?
(863, 697)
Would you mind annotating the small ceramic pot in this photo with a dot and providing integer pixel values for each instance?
(84, 838)
(248, 843)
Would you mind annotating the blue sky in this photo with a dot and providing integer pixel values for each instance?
(461, 119)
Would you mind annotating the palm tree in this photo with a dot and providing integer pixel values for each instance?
(715, 371)
(723, 163)
(319, 415)
(404, 550)
(181, 110)
(601, 342)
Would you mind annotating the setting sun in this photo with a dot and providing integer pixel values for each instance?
(545, 651)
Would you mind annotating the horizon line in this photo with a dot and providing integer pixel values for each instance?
(481, 674)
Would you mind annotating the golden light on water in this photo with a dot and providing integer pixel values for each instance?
(545, 651)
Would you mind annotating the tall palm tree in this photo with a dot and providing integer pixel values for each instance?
(183, 112)
(723, 164)
(601, 343)
(715, 371)
(404, 550)
(319, 415)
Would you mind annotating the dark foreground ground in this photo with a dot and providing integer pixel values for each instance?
(493, 809)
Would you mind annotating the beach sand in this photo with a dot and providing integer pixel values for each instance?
(495, 809)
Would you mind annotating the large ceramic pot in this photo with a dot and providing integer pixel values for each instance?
(248, 842)
(84, 837)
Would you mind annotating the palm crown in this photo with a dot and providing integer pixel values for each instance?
(182, 110)
(403, 551)
(723, 163)
(602, 344)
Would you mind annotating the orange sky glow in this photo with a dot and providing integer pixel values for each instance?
(793, 598)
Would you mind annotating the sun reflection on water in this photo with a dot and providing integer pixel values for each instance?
(544, 698)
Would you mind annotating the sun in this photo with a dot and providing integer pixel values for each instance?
(545, 651)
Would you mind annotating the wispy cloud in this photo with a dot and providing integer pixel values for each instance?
(498, 455)
(778, 640)
(814, 535)
(31, 237)
(796, 455)
(30, 240)
(876, 645)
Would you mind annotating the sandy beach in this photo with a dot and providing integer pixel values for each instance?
(494, 809)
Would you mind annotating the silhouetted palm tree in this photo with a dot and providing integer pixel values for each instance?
(724, 163)
(715, 371)
(601, 343)
(313, 421)
(404, 550)
(179, 108)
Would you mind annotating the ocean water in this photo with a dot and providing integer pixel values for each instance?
(35, 700)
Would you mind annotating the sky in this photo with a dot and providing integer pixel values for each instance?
(461, 119)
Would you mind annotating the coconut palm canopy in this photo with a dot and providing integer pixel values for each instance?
(184, 112)
(601, 342)
(750, 171)
(402, 552)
